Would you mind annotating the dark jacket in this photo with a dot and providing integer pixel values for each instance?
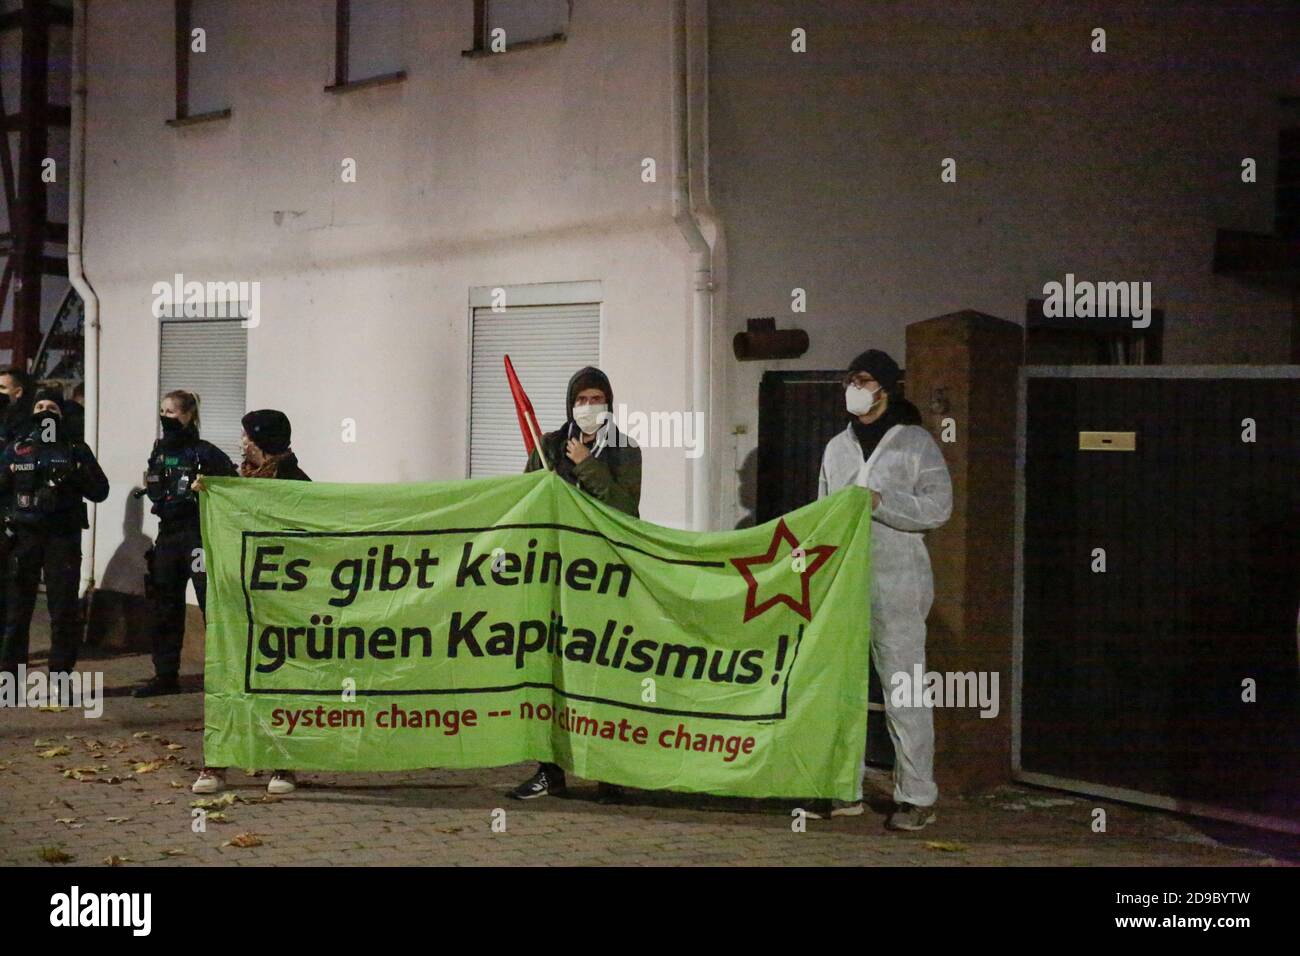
(286, 469)
(45, 484)
(611, 474)
(74, 420)
(174, 463)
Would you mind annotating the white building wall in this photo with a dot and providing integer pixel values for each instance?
(473, 172)
(826, 168)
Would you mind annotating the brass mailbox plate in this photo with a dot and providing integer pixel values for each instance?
(1107, 441)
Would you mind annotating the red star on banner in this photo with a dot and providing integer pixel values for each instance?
(815, 558)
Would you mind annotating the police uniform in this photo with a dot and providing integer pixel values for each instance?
(49, 479)
(174, 464)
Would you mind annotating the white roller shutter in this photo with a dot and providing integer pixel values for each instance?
(208, 356)
(546, 344)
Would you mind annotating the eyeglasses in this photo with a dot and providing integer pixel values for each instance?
(859, 380)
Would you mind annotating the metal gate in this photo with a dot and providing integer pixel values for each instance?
(1158, 587)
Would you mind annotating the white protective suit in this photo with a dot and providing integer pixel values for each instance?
(908, 470)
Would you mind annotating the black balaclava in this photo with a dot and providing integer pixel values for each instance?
(38, 419)
(175, 433)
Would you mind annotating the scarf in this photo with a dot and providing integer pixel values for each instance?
(267, 469)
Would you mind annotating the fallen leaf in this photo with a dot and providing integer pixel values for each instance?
(175, 746)
(225, 800)
(51, 709)
(42, 743)
(148, 766)
(108, 780)
(198, 728)
(153, 705)
(162, 802)
(244, 841)
(116, 860)
(173, 852)
(175, 784)
(142, 735)
(945, 847)
(217, 816)
(54, 752)
(65, 820)
(117, 819)
(449, 829)
(54, 854)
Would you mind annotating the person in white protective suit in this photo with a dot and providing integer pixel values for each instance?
(885, 448)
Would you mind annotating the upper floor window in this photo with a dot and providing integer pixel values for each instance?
(501, 25)
(367, 43)
(204, 58)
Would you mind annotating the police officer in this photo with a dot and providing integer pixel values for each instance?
(18, 390)
(177, 460)
(48, 477)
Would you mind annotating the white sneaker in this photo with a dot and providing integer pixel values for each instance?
(838, 808)
(282, 781)
(209, 781)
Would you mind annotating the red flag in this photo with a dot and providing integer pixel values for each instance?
(527, 417)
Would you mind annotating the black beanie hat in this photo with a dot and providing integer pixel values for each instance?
(880, 366)
(50, 395)
(268, 429)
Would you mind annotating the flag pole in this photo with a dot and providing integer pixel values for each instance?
(541, 452)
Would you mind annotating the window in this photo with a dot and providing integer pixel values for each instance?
(547, 343)
(208, 356)
(367, 43)
(204, 55)
(507, 24)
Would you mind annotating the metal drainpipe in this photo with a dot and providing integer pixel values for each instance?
(76, 271)
(702, 254)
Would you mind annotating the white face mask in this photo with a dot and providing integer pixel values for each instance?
(859, 401)
(589, 417)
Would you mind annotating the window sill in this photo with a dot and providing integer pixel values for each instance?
(383, 79)
(198, 118)
(481, 53)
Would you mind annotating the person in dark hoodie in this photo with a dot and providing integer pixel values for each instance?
(885, 449)
(589, 452)
(49, 477)
(178, 458)
(265, 442)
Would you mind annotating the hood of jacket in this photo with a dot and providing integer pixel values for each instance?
(589, 377)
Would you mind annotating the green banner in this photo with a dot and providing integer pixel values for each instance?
(488, 622)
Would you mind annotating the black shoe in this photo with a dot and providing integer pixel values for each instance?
(541, 784)
(608, 794)
(158, 687)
